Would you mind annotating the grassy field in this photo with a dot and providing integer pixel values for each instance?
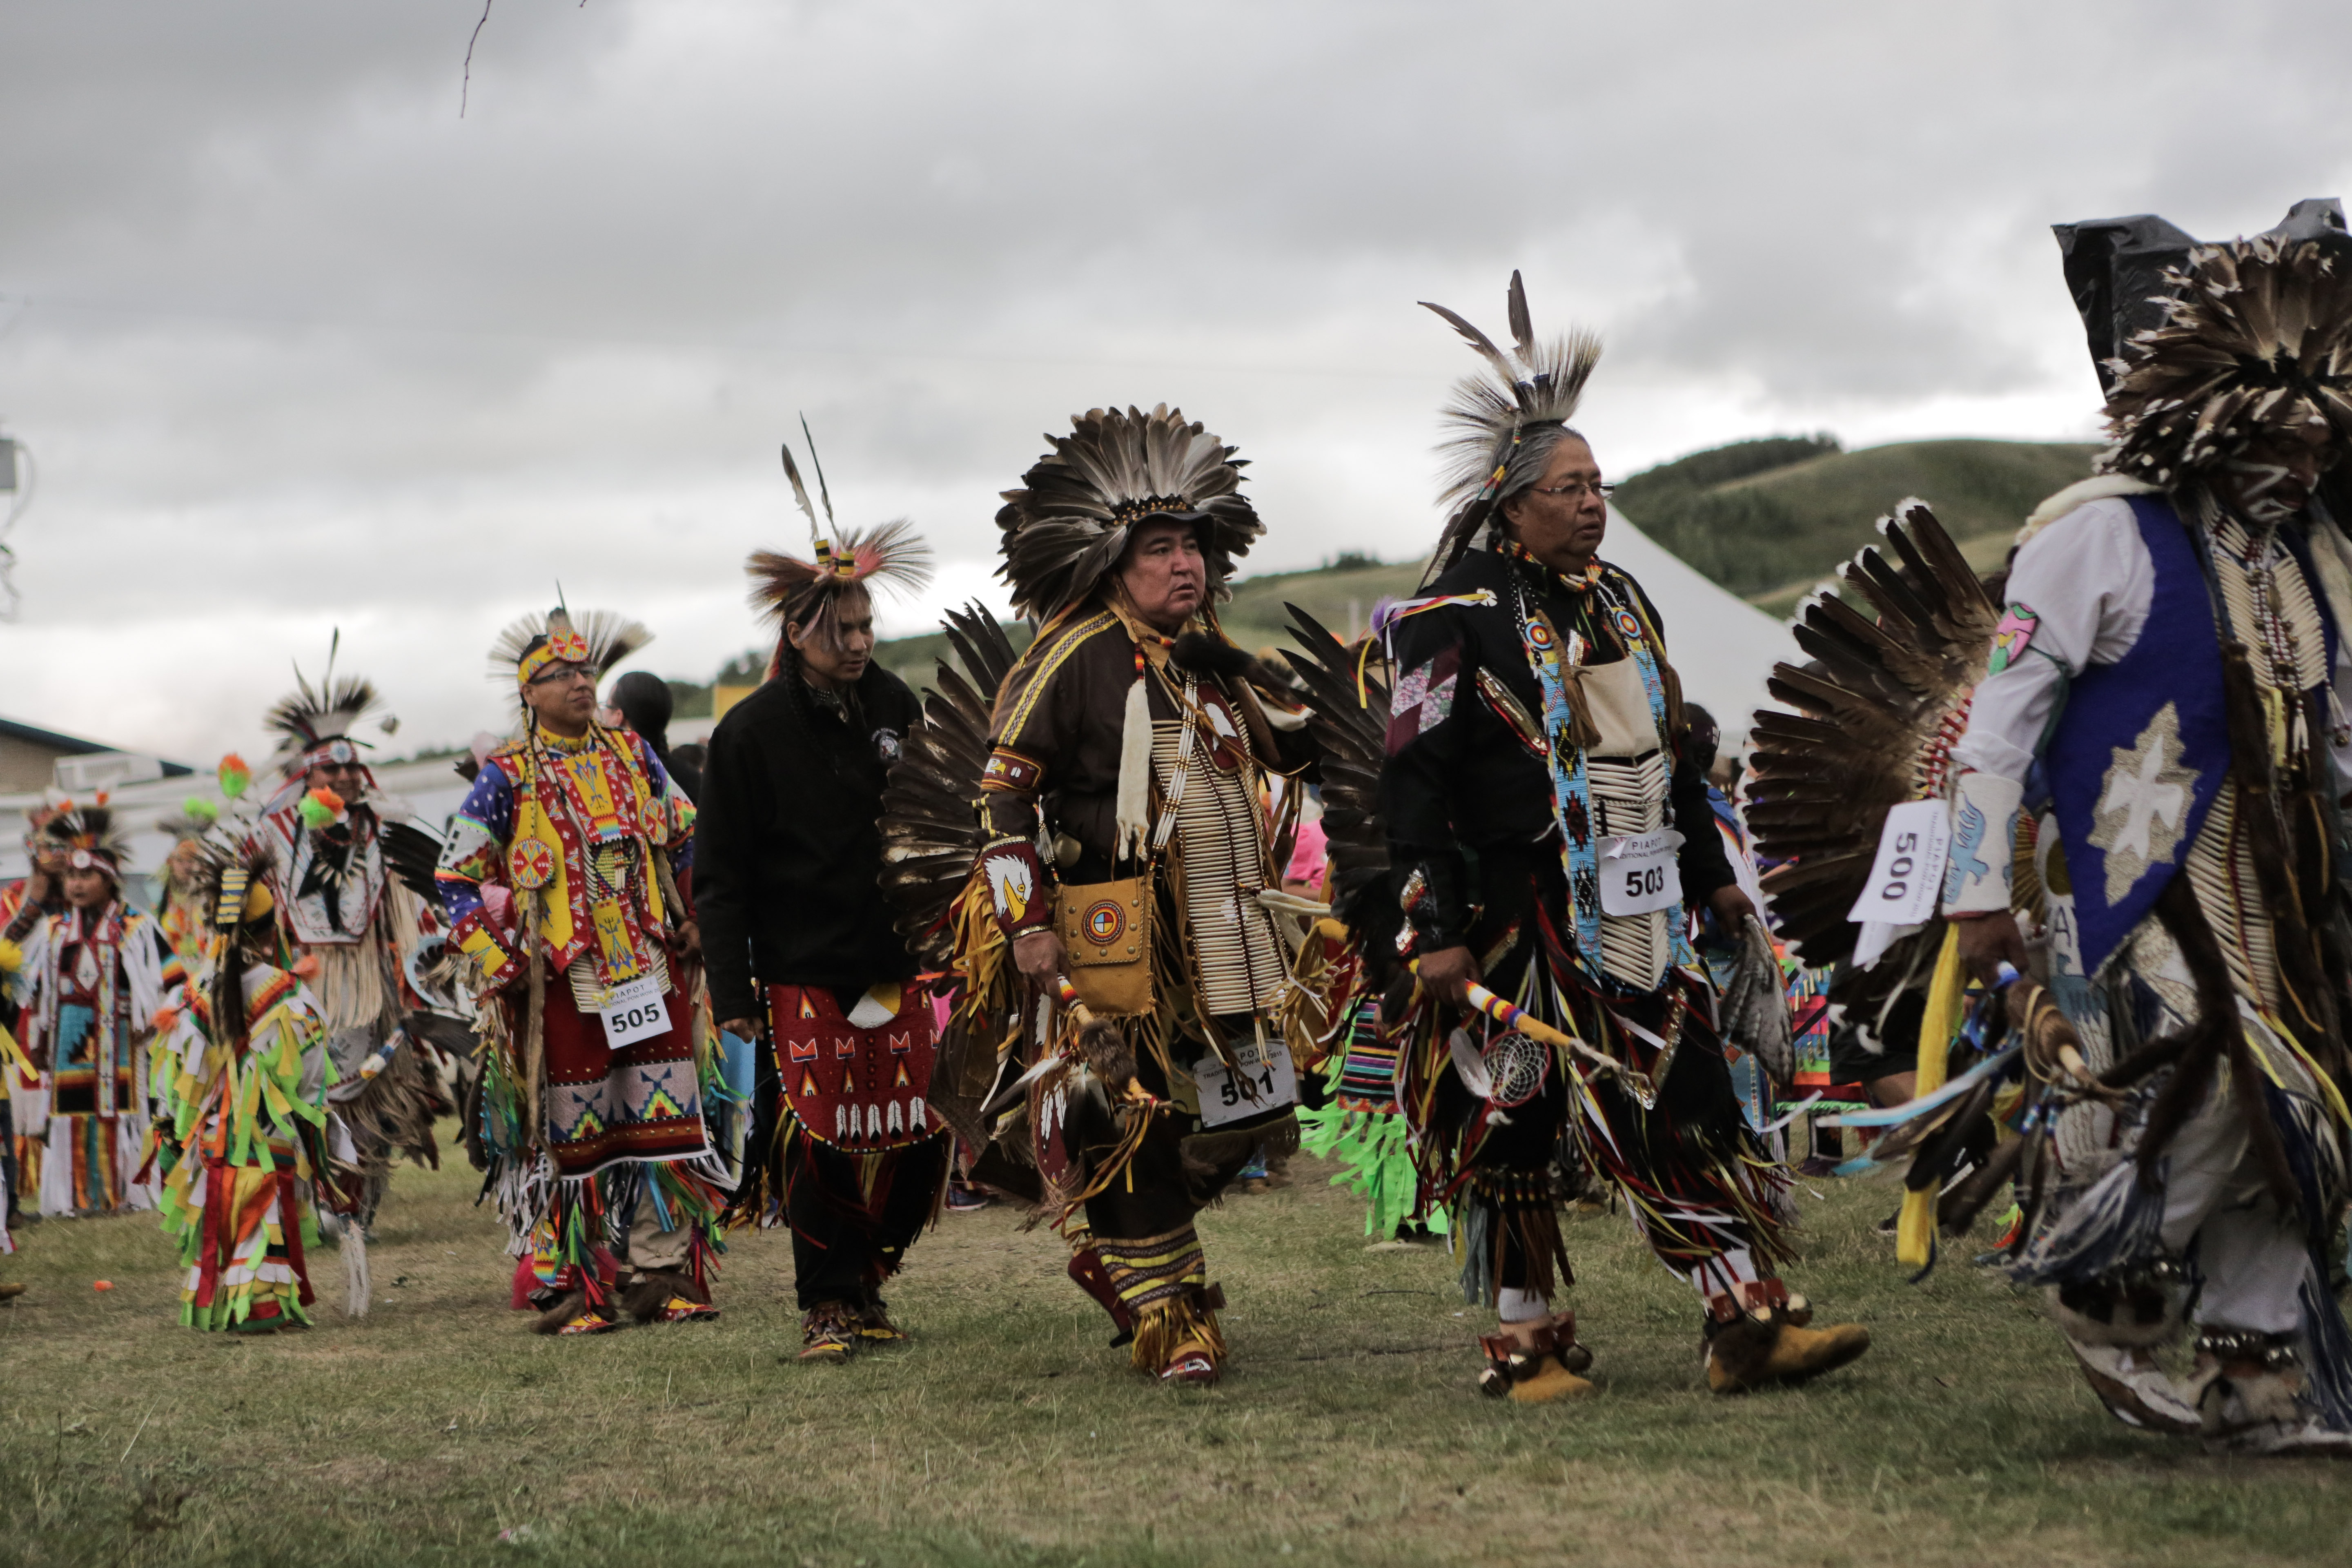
(1771, 535)
(438, 1431)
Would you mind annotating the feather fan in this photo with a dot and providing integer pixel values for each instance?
(1349, 727)
(1873, 723)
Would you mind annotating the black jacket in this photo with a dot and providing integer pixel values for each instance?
(1466, 802)
(787, 853)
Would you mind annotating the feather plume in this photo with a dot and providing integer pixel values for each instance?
(1347, 692)
(800, 492)
(1505, 421)
(892, 557)
(1540, 384)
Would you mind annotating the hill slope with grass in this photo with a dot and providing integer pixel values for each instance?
(1768, 519)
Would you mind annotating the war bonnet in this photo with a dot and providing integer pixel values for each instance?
(1068, 524)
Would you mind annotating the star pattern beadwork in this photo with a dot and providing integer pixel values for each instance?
(2144, 804)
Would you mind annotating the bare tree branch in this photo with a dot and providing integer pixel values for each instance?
(466, 85)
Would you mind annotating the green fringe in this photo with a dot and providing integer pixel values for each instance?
(1379, 1166)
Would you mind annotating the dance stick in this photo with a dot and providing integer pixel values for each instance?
(1512, 1018)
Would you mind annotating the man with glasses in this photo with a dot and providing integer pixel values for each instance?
(565, 879)
(1550, 839)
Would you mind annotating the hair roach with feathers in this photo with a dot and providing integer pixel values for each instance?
(795, 592)
(312, 716)
(1503, 425)
(86, 834)
(605, 638)
(1068, 524)
(2256, 339)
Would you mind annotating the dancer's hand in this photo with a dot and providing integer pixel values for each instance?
(1990, 941)
(1038, 956)
(1444, 972)
(1731, 909)
(741, 1028)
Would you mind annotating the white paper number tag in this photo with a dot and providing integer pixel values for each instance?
(1271, 1077)
(1639, 873)
(1908, 874)
(633, 1011)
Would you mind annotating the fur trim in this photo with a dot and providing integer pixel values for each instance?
(1133, 809)
(1187, 1320)
(566, 1308)
(651, 1291)
(2081, 493)
(1106, 1052)
(2103, 1316)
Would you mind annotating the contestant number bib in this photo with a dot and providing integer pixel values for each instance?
(633, 1011)
(1639, 874)
(1908, 876)
(1270, 1075)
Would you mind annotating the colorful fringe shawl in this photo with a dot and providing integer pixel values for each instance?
(235, 1150)
(564, 1228)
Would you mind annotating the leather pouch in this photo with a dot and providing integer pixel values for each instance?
(1105, 932)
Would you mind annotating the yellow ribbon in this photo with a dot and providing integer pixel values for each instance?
(1915, 1229)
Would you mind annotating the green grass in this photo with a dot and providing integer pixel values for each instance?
(1347, 1432)
(1772, 535)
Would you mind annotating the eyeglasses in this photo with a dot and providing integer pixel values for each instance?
(563, 674)
(1577, 490)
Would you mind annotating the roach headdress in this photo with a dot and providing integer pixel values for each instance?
(597, 639)
(1068, 525)
(2245, 339)
(314, 723)
(87, 835)
(797, 593)
(1502, 425)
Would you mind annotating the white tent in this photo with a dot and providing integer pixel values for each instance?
(1723, 647)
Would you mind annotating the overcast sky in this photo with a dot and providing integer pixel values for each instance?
(295, 346)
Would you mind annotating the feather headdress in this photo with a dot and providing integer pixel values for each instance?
(86, 836)
(1068, 524)
(597, 639)
(1502, 425)
(2256, 341)
(315, 722)
(797, 593)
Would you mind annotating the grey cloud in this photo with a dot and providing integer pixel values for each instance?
(304, 347)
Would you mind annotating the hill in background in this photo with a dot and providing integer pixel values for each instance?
(1767, 519)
